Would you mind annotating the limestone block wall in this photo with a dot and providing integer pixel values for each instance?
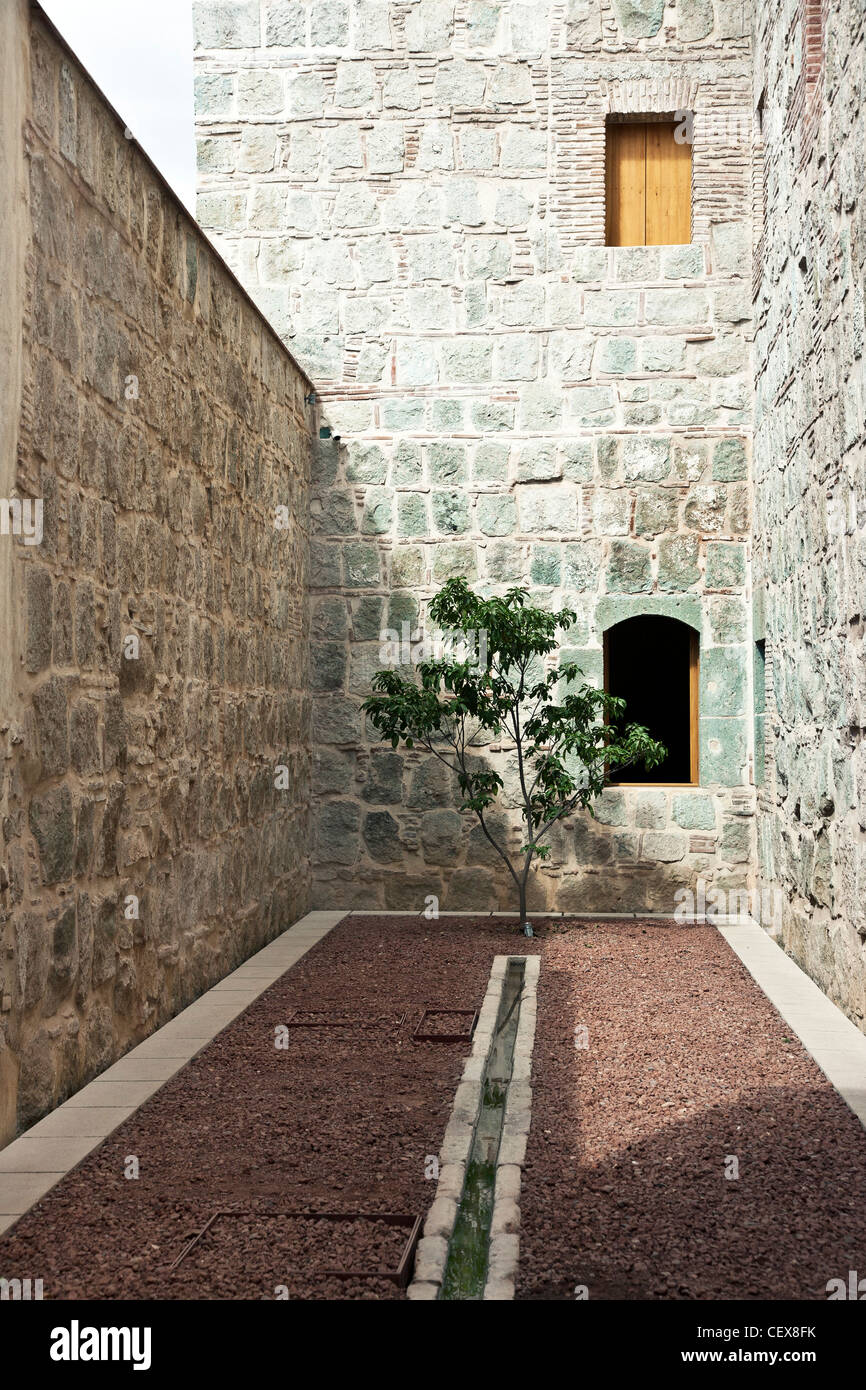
(415, 194)
(810, 488)
(155, 668)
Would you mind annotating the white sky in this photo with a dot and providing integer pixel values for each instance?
(140, 53)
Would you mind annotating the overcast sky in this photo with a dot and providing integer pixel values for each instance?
(140, 53)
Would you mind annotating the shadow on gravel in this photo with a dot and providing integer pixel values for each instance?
(662, 1221)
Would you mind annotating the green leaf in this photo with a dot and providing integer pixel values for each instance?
(565, 743)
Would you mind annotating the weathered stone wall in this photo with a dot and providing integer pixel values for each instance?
(156, 665)
(810, 488)
(414, 193)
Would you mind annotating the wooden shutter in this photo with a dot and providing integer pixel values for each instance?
(649, 185)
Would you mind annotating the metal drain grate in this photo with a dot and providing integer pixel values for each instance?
(399, 1276)
(343, 1018)
(426, 1030)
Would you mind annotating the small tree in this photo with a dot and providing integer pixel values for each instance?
(566, 741)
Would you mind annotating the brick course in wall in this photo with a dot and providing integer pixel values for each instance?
(414, 193)
(158, 641)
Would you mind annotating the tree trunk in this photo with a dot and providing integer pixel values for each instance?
(522, 902)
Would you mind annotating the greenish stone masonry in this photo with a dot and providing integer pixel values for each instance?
(810, 497)
(414, 194)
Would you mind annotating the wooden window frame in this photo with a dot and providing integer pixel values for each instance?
(694, 709)
(633, 195)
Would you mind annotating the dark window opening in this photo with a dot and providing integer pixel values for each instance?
(652, 664)
(759, 194)
(760, 674)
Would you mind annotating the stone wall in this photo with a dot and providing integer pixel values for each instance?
(414, 193)
(156, 667)
(810, 487)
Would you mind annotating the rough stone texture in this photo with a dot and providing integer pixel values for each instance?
(810, 492)
(501, 396)
(159, 648)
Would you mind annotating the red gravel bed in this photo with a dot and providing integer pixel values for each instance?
(341, 1120)
(624, 1189)
(688, 1063)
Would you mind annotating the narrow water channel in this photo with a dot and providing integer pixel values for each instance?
(468, 1252)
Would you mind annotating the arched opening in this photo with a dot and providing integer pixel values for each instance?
(652, 663)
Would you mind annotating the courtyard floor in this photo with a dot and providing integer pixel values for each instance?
(683, 1144)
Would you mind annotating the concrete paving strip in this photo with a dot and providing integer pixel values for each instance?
(836, 1044)
(31, 1165)
(538, 916)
